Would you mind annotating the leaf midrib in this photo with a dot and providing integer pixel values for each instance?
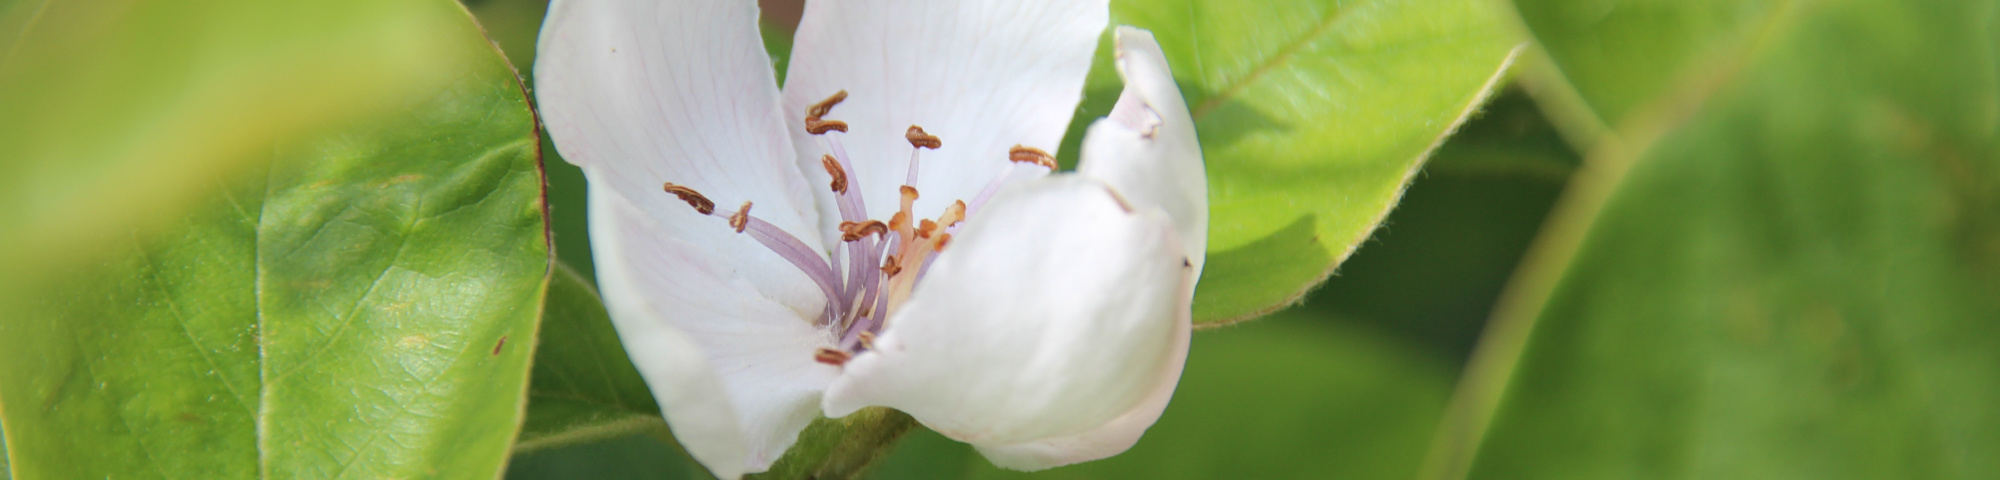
(1282, 56)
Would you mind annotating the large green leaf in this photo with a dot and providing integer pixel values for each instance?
(361, 304)
(1786, 264)
(1313, 116)
(1351, 403)
(118, 113)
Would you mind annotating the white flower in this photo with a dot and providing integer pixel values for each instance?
(1048, 327)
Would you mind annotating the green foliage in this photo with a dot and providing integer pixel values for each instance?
(1313, 116)
(1782, 264)
(352, 293)
(584, 388)
(118, 115)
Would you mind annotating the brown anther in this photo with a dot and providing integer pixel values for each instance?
(919, 139)
(832, 165)
(693, 198)
(741, 218)
(831, 357)
(892, 266)
(867, 340)
(899, 221)
(926, 228)
(824, 107)
(851, 231)
(819, 127)
(909, 192)
(941, 242)
(1027, 154)
(953, 213)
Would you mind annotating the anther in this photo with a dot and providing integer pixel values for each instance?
(824, 107)
(867, 340)
(899, 221)
(925, 228)
(741, 218)
(953, 213)
(820, 127)
(941, 242)
(892, 266)
(693, 198)
(909, 192)
(816, 124)
(851, 231)
(831, 357)
(832, 165)
(919, 139)
(1027, 154)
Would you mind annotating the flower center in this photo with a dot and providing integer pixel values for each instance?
(877, 264)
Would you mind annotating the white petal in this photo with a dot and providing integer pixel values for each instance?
(639, 93)
(1148, 152)
(1147, 148)
(642, 92)
(1120, 433)
(733, 371)
(983, 75)
(1055, 315)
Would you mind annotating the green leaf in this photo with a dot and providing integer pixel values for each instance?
(1785, 264)
(585, 388)
(1296, 99)
(117, 117)
(358, 301)
(1352, 403)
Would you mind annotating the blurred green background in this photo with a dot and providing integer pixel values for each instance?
(1688, 239)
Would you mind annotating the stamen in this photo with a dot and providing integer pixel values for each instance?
(741, 218)
(693, 198)
(1026, 154)
(867, 339)
(992, 186)
(925, 228)
(820, 127)
(919, 139)
(831, 357)
(953, 213)
(851, 231)
(890, 267)
(816, 124)
(792, 250)
(833, 169)
(825, 106)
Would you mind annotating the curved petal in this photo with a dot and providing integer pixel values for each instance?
(983, 75)
(639, 93)
(733, 371)
(1058, 311)
(1147, 148)
(1120, 433)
